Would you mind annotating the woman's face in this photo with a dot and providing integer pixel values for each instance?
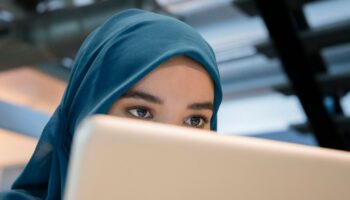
(178, 92)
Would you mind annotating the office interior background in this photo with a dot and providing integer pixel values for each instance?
(306, 101)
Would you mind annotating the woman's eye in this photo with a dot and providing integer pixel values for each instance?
(195, 121)
(140, 113)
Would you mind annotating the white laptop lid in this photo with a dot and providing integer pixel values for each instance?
(118, 158)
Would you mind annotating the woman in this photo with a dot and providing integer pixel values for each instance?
(138, 64)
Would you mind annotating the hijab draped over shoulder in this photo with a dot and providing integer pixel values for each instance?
(111, 60)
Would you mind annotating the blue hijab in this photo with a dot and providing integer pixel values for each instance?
(111, 60)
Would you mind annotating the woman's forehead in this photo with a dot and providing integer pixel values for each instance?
(178, 77)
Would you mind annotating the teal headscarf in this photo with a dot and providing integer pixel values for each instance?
(110, 61)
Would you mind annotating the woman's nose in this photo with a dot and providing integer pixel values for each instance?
(171, 119)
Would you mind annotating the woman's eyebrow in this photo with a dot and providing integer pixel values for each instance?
(200, 106)
(142, 95)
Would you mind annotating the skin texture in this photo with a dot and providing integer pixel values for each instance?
(178, 92)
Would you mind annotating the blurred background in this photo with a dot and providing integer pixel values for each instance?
(286, 81)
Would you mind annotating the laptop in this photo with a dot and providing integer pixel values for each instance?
(127, 159)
